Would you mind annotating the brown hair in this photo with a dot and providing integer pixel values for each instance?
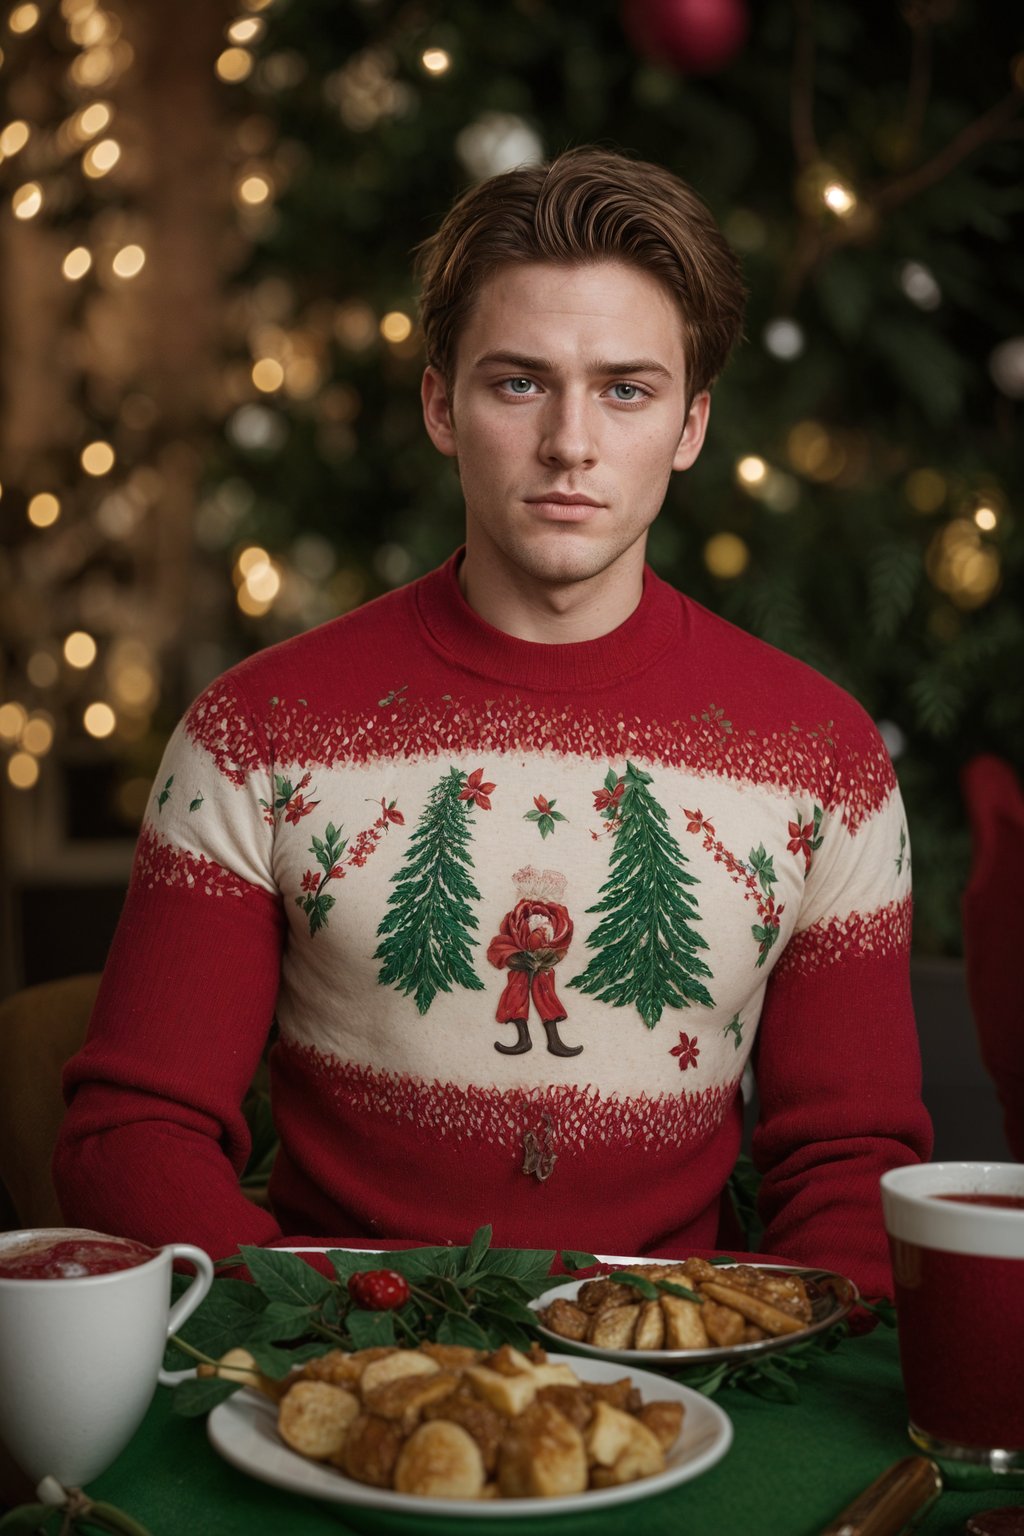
(587, 205)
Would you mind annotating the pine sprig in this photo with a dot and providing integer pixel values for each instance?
(474, 1295)
(646, 947)
(426, 945)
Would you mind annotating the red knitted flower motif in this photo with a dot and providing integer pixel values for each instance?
(310, 880)
(687, 1050)
(603, 798)
(476, 791)
(696, 822)
(297, 807)
(389, 813)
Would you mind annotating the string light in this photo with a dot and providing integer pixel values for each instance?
(99, 719)
(839, 199)
(925, 490)
(23, 18)
(23, 770)
(254, 190)
(129, 261)
(395, 326)
(960, 564)
(37, 736)
(726, 555)
(79, 649)
(76, 263)
(27, 200)
(14, 137)
(93, 119)
(12, 720)
(436, 61)
(97, 458)
(986, 518)
(751, 470)
(267, 375)
(43, 510)
(101, 158)
(234, 65)
(247, 29)
(42, 669)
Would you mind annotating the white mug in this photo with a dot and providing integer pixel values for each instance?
(80, 1357)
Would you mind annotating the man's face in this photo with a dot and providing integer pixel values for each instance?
(567, 416)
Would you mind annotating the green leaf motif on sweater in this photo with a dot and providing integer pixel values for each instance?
(165, 794)
(426, 945)
(646, 947)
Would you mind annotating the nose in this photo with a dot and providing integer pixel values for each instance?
(569, 432)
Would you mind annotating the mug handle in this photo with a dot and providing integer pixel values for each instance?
(186, 1304)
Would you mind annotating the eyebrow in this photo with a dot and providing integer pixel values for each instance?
(647, 365)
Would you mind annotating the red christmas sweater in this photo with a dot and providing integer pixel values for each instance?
(522, 913)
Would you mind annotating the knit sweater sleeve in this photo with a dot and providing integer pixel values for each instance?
(154, 1139)
(837, 1058)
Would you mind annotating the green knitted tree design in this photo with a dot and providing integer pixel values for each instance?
(645, 947)
(427, 945)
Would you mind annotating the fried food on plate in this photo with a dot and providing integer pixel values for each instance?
(740, 1304)
(438, 1422)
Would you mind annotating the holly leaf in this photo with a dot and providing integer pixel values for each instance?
(545, 826)
(370, 1330)
(192, 1398)
(285, 1276)
(455, 1329)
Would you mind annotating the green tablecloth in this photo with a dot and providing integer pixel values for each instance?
(791, 1468)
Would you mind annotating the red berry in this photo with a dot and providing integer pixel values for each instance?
(378, 1290)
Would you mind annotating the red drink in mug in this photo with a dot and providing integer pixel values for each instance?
(956, 1234)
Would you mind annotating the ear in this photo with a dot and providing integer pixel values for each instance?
(692, 439)
(437, 413)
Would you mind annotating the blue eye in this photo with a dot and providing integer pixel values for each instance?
(628, 392)
(519, 386)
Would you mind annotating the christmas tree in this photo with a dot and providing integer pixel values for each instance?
(427, 945)
(646, 945)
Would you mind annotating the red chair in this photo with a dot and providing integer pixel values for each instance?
(993, 929)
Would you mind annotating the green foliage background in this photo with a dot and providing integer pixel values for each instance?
(846, 578)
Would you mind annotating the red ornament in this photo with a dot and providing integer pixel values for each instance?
(378, 1290)
(697, 36)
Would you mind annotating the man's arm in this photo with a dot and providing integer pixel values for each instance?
(154, 1139)
(837, 1056)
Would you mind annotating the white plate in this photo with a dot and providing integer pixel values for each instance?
(832, 1296)
(244, 1431)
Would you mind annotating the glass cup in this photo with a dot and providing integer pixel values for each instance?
(80, 1357)
(956, 1235)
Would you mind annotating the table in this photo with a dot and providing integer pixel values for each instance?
(791, 1468)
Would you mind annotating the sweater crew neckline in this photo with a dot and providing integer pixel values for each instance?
(469, 641)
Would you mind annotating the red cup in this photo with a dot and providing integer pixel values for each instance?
(956, 1235)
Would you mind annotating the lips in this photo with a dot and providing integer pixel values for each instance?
(561, 508)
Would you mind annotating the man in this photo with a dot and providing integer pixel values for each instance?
(528, 857)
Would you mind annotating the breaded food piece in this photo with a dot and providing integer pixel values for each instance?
(564, 1318)
(753, 1308)
(484, 1423)
(650, 1327)
(575, 1402)
(400, 1362)
(752, 1335)
(723, 1325)
(341, 1366)
(510, 1395)
(440, 1461)
(405, 1399)
(542, 1455)
(509, 1362)
(593, 1295)
(314, 1418)
(371, 1450)
(452, 1357)
(684, 1327)
(613, 1327)
(618, 1394)
(641, 1457)
(664, 1420)
(607, 1435)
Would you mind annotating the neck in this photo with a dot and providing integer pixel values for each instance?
(552, 612)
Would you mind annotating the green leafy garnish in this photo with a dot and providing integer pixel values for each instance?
(652, 1289)
(474, 1295)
